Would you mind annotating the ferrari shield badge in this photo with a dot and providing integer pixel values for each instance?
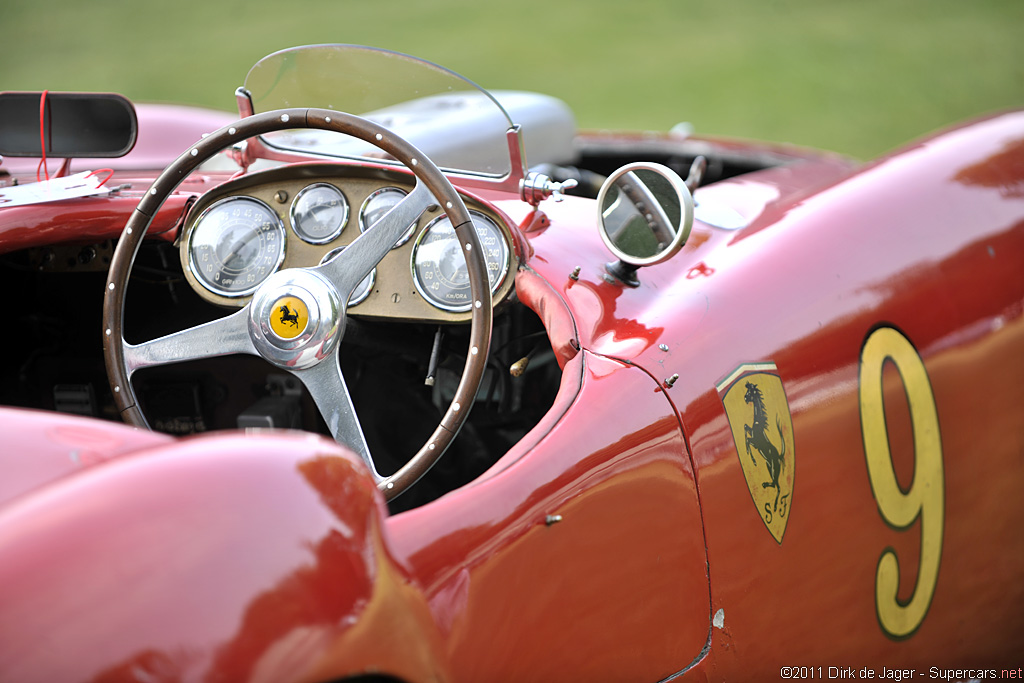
(762, 430)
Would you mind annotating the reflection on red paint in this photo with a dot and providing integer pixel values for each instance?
(701, 269)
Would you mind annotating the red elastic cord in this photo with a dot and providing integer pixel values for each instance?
(42, 136)
(108, 171)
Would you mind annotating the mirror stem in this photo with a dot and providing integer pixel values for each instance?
(697, 170)
(623, 272)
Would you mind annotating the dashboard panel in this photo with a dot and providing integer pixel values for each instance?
(300, 216)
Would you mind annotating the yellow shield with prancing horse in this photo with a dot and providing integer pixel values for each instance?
(762, 429)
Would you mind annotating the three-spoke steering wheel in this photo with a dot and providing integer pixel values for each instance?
(317, 297)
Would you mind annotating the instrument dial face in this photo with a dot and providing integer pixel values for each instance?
(378, 204)
(319, 213)
(236, 244)
(439, 267)
(364, 287)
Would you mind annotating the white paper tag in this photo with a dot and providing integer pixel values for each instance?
(81, 184)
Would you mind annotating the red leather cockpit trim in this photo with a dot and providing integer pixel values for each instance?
(537, 294)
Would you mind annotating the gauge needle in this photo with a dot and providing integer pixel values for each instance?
(236, 249)
(457, 270)
(317, 210)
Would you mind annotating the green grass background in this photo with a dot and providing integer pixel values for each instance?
(859, 77)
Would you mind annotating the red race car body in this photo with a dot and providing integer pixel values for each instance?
(785, 441)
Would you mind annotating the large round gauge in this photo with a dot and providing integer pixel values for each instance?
(235, 245)
(365, 285)
(319, 213)
(439, 267)
(379, 203)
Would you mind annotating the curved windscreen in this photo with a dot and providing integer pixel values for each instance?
(453, 121)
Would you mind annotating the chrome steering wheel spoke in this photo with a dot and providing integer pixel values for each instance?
(326, 385)
(349, 268)
(221, 337)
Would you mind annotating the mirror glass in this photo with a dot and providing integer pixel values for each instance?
(75, 125)
(646, 213)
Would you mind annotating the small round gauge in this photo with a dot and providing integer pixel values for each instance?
(439, 267)
(319, 213)
(235, 245)
(379, 203)
(365, 285)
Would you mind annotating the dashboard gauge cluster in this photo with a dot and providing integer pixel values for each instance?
(301, 217)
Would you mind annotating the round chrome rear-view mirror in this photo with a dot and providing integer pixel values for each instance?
(646, 212)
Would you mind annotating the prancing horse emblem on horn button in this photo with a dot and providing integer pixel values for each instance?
(289, 317)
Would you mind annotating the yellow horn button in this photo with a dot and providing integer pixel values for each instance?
(289, 317)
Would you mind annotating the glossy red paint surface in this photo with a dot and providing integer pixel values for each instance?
(930, 241)
(44, 447)
(216, 558)
(918, 242)
(228, 537)
(616, 589)
(618, 540)
(86, 220)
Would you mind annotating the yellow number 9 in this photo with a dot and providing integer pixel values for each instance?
(926, 496)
